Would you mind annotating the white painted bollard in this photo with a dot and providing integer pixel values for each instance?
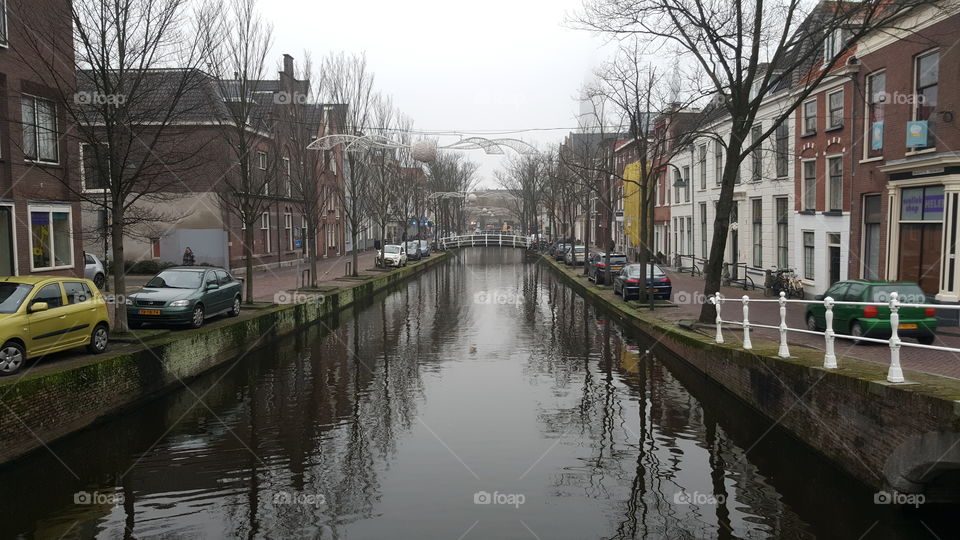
(895, 373)
(716, 302)
(784, 350)
(746, 323)
(829, 359)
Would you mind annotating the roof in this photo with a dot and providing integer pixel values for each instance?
(34, 280)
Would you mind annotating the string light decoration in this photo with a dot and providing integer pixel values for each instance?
(425, 150)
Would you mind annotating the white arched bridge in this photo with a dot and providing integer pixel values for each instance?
(468, 240)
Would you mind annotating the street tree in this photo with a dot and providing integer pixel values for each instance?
(237, 43)
(741, 52)
(136, 64)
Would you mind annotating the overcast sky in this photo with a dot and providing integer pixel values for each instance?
(455, 64)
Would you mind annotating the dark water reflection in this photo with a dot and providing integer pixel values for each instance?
(486, 375)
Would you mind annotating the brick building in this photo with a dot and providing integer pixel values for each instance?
(39, 212)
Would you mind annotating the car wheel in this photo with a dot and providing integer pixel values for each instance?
(856, 331)
(98, 339)
(235, 312)
(99, 280)
(615, 291)
(926, 340)
(812, 323)
(196, 319)
(12, 356)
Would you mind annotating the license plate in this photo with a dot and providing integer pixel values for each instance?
(907, 326)
(651, 290)
(149, 312)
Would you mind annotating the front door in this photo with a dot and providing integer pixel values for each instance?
(7, 245)
(47, 328)
(920, 255)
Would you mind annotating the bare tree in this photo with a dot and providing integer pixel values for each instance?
(525, 177)
(451, 177)
(349, 81)
(136, 61)
(741, 52)
(237, 43)
(384, 168)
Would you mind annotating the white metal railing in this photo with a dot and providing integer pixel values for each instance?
(508, 240)
(894, 373)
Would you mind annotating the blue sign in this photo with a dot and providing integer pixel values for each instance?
(297, 244)
(876, 136)
(917, 134)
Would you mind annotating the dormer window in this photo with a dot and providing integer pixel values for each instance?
(832, 45)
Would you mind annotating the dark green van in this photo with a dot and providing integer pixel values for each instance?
(874, 321)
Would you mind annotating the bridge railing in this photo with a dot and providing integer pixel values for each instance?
(894, 372)
(506, 240)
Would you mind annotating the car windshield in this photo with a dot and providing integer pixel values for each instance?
(391, 249)
(578, 249)
(635, 270)
(614, 259)
(906, 294)
(176, 279)
(12, 295)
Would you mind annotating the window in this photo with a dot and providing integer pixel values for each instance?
(809, 253)
(77, 292)
(782, 149)
(757, 211)
(756, 155)
(223, 278)
(810, 117)
(288, 226)
(782, 232)
(265, 220)
(926, 84)
(287, 184)
(718, 164)
(690, 235)
(832, 44)
(702, 163)
(871, 237)
(39, 130)
(703, 230)
(676, 186)
(3, 23)
(94, 177)
(809, 185)
(835, 168)
(686, 183)
(262, 160)
(50, 294)
(876, 101)
(51, 238)
(835, 114)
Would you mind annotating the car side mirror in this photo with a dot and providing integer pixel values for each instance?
(212, 286)
(39, 306)
(819, 297)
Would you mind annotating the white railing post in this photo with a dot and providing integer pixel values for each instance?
(746, 323)
(894, 374)
(829, 359)
(784, 349)
(716, 301)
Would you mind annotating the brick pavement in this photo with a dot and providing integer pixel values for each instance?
(688, 294)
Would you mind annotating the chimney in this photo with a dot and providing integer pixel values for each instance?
(288, 65)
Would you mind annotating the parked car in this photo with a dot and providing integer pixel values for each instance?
(597, 266)
(874, 321)
(575, 255)
(424, 248)
(94, 270)
(392, 255)
(413, 250)
(42, 315)
(184, 295)
(627, 282)
(559, 251)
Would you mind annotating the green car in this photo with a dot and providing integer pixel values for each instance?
(184, 295)
(874, 321)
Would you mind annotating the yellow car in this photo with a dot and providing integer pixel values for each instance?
(42, 315)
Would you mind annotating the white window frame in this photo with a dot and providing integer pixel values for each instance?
(264, 221)
(261, 160)
(813, 246)
(832, 45)
(830, 117)
(4, 27)
(83, 171)
(803, 113)
(288, 226)
(289, 183)
(803, 184)
(36, 135)
(827, 203)
(50, 209)
(869, 82)
(13, 224)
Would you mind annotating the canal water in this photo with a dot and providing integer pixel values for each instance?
(483, 399)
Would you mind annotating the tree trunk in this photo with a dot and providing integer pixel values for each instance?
(248, 263)
(353, 240)
(310, 246)
(713, 270)
(119, 273)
